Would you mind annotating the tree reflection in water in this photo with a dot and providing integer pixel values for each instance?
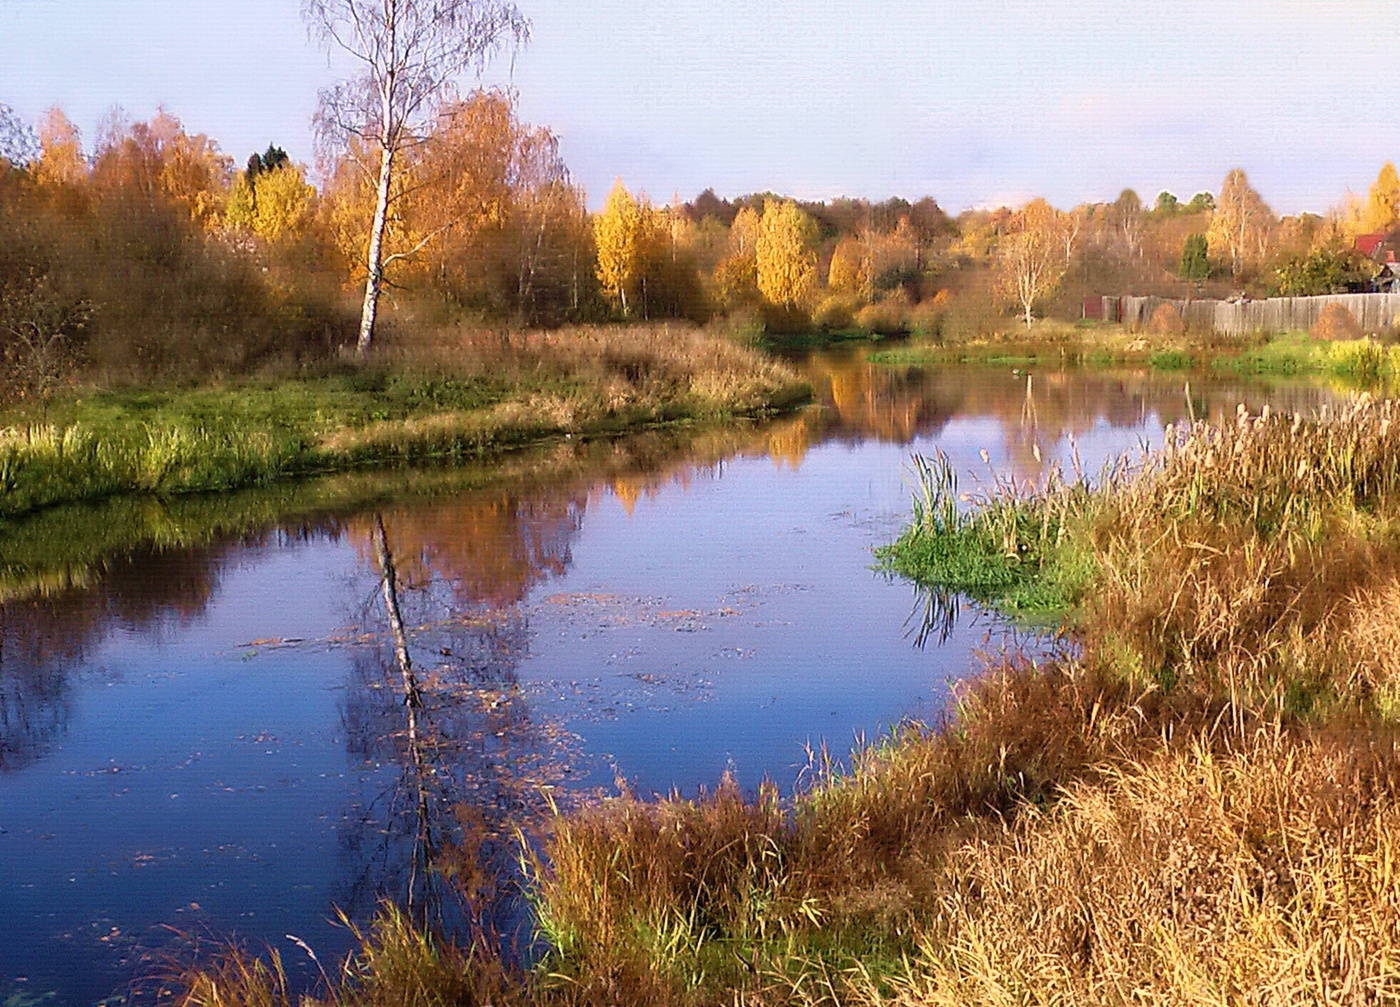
(468, 767)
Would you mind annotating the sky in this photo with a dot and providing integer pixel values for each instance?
(972, 102)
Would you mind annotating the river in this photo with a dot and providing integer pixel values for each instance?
(202, 733)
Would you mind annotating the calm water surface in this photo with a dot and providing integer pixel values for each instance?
(202, 733)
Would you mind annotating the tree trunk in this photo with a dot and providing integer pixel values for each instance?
(389, 584)
(424, 848)
(374, 265)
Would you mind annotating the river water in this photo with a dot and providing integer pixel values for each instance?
(203, 735)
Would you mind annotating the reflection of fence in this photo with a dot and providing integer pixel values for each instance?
(1374, 312)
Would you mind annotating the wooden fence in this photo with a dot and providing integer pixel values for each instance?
(1375, 312)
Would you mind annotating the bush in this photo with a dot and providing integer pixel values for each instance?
(884, 318)
(1166, 321)
(1336, 322)
(836, 312)
(926, 318)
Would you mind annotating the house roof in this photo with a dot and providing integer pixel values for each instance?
(1366, 243)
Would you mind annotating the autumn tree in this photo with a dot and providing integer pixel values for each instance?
(618, 232)
(735, 276)
(273, 204)
(892, 257)
(1241, 224)
(409, 53)
(513, 236)
(1127, 216)
(849, 271)
(1030, 259)
(61, 163)
(156, 162)
(1382, 209)
(743, 232)
(784, 257)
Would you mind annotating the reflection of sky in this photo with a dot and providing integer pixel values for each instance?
(730, 618)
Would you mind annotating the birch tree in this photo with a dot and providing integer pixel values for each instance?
(1241, 224)
(409, 54)
(1030, 257)
(784, 256)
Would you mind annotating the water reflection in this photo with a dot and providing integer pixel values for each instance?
(151, 565)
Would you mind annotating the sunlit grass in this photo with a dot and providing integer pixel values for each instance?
(469, 397)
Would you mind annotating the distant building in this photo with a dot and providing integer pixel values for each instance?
(1382, 248)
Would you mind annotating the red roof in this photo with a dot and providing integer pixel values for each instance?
(1366, 243)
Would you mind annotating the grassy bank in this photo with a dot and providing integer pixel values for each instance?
(1198, 807)
(1360, 361)
(472, 396)
(72, 546)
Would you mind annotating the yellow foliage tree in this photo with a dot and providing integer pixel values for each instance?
(483, 210)
(158, 160)
(849, 272)
(784, 255)
(60, 152)
(743, 233)
(619, 233)
(273, 205)
(1030, 256)
(1382, 210)
(1241, 225)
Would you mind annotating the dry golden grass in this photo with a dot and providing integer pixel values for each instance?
(1265, 876)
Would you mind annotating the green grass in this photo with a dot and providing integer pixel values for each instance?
(182, 440)
(816, 339)
(1018, 554)
(992, 356)
(1356, 361)
(1170, 360)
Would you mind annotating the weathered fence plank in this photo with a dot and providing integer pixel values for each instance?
(1374, 312)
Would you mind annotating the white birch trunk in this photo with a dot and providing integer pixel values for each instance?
(374, 265)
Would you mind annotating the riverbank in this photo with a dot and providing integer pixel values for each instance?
(1197, 805)
(473, 396)
(1190, 808)
(1289, 354)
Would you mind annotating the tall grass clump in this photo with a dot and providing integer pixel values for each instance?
(396, 963)
(1262, 876)
(1012, 546)
(724, 898)
(1238, 554)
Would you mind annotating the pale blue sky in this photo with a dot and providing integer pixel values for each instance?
(971, 102)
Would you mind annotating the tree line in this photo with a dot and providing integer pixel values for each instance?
(148, 251)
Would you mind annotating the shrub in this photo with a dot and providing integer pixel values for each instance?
(926, 317)
(1336, 322)
(884, 318)
(1166, 321)
(836, 312)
